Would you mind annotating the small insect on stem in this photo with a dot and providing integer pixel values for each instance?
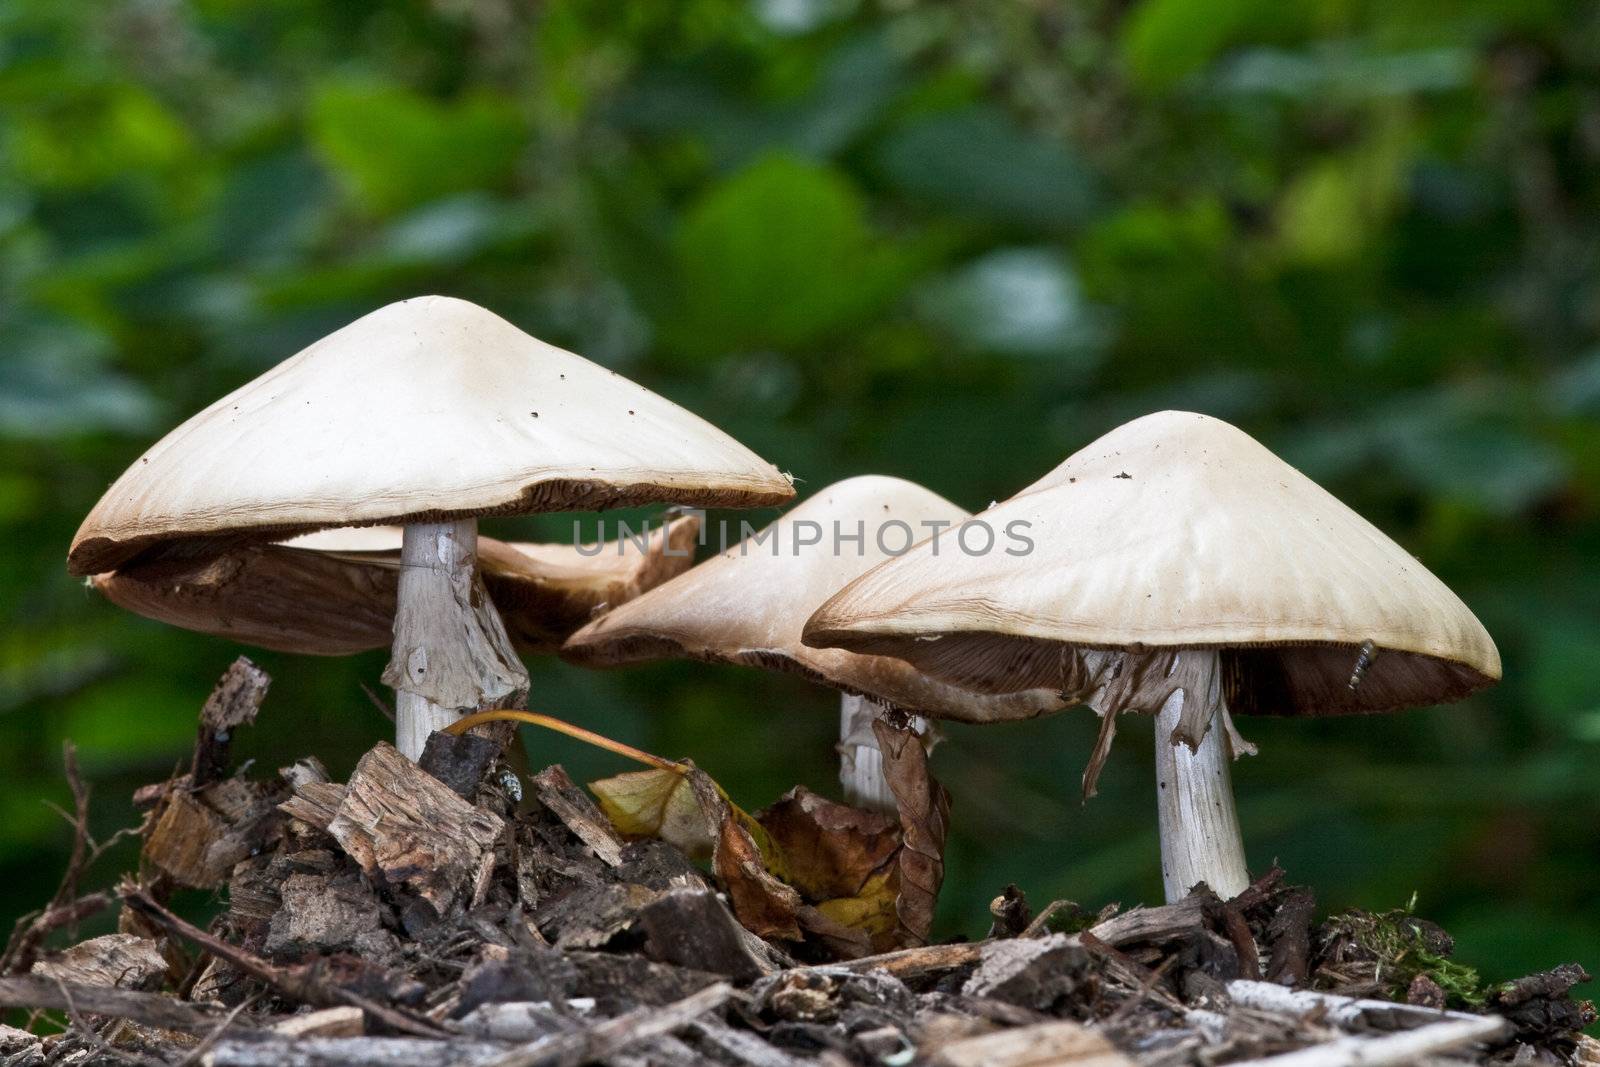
(1364, 660)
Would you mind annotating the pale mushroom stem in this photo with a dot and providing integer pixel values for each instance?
(1200, 839)
(860, 760)
(451, 654)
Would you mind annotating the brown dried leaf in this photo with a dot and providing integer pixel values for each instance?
(805, 850)
(765, 905)
(924, 809)
(830, 850)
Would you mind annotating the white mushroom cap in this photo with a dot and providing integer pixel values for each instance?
(427, 410)
(748, 604)
(332, 593)
(1178, 530)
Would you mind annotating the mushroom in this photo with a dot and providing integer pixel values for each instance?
(333, 593)
(1179, 568)
(747, 606)
(429, 414)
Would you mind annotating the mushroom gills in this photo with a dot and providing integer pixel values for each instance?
(1195, 742)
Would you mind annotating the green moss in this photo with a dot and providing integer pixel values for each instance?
(1399, 946)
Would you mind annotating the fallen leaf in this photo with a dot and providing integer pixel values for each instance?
(808, 868)
(766, 906)
(924, 809)
(830, 850)
(656, 803)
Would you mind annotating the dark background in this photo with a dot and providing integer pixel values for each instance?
(949, 241)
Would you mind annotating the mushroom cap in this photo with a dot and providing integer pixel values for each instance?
(332, 593)
(428, 410)
(1178, 530)
(748, 604)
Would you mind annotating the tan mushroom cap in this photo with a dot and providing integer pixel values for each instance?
(1178, 530)
(748, 604)
(332, 593)
(427, 410)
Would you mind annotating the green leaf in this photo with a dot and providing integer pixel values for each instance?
(977, 161)
(1164, 41)
(779, 255)
(395, 149)
(85, 139)
(1018, 302)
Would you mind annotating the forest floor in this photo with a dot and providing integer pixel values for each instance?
(458, 913)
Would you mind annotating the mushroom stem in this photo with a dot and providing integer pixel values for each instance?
(451, 655)
(860, 759)
(1200, 839)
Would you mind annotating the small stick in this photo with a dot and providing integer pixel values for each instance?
(150, 1009)
(1039, 925)
(197, 1053)
(1145, 989)
(65, 908)
(561, 726)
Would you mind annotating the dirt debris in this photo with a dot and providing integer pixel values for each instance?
(454, 914)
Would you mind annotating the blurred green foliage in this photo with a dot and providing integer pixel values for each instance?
(948, 240)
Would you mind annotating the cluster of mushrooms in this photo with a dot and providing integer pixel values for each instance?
(1174, 566)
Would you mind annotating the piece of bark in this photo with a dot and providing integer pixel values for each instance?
(924, 810)
(600, 1040)
(409, 829)
(592, 915)
(553, 788)
(1227, 915)
(315, 803)
(618, 982)
(151, 1009)
(351, 1052)
(120, 960)
(1540, 1006)
(232, 704)
(1052, 1044)
(1333, 1008)
(20, 1048)
(181, 843)
(924, 961)
(523, 1020)
(325, 1022)
(304, 984)
(524, 974)
(1152, 925)
(318, 914)
(1556, 982)
(460, 762)
(692, 928)
(1424, 992)
(741, 1046)
(200, 834)
(1404, 1049)
(304, 771)
(1033, 973)
(1289, 937)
